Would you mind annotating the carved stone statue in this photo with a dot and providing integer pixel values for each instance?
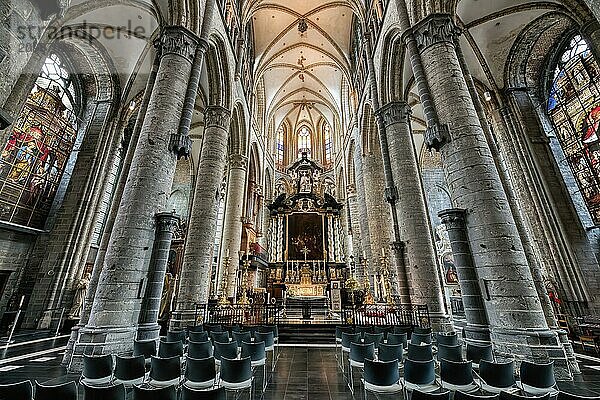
(80, 293)
(305, 183)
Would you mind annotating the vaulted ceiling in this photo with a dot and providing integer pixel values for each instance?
(302, 53)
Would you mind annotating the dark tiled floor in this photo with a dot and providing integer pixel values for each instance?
(301, 372)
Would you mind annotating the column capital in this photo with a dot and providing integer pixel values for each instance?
(179, 41)
(589, 27)
(453, 218)
(395, 112)
(436, 136)
(217, 116)
(238, 161)
(435, 28)
(167, 221)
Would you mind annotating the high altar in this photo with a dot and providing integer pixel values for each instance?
(308, 249)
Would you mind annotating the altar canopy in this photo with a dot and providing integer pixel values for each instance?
(307, 236)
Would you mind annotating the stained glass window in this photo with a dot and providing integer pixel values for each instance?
(304, 142)
(574, 107)
(328, 143)
(280, 150)
(36, 154)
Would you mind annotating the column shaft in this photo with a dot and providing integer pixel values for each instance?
(197, 260)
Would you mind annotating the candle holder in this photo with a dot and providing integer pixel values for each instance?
(223, 300)
(367, 284)
(385, 274)
(244, 300)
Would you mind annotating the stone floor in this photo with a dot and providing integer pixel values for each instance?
(301, 372)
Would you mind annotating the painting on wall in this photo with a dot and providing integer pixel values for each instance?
(305, 236)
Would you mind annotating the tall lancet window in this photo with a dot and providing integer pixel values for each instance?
(280, 147)
(34, 159)
(328, 143)
(304, 141)
(574, 107)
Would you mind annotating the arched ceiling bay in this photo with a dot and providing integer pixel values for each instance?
(302, 53)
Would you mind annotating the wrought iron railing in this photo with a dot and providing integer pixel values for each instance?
(387, 314)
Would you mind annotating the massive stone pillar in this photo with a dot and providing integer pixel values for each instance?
(513, 306)
(413, 220)
(478, 328)
(148, 327)
(197, 260)
(232, 225)
(114, 313)
(364, 250)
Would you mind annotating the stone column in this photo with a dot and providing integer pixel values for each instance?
(364, 250)
(148, 327)
(116, 303)
(414, 227)
(516, 317)
(478, 328)
(197, 260)
(232, 225)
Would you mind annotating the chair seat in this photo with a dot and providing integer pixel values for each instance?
(199, 385)
(383, 389)
(346, 349)
(357, 364)
(535, 391)
(236, 385)
(258, 363)
(496, 390)
(428, 388)
(162, 384)
(463, 388)
(97, 381)
(130, 382)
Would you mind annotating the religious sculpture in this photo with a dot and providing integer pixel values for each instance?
(305, 182)
(80, 293)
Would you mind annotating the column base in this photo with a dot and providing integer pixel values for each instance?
(71, 344)
(101, 340)
(532, 345)
(148, 332)
(477, 334)
(440, 322)
(180, 320)
(571, 360)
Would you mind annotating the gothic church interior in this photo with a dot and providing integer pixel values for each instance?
(305, 169)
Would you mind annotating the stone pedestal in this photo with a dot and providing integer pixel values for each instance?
(232, 224)
(148, 327)
(477, 329)
(197, 261)
(116, 306)
(513, 307)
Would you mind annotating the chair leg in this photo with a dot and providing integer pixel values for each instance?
(264, 377)
(351, 383)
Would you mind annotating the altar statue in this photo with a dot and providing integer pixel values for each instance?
(305, 183)
(80, 293)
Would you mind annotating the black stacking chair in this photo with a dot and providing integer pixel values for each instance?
(275, 330)
(497, 377)
(358, 353)
(348, 338)
(146, 348)
(458, 395)
(213, 328)
(477, 353)
(146, 393)
(374, 338)
(451, 353)
(419, 375)
(400, 329)
(130, 370)
(362, 329)
(195, 329)
(228, 350)
(165, 372)
(236, 375)
(114, 392)
(338, 339)
(267, 337)
(457, 376)
(97, 370)
(200, 373)
(64, 391)
(447, 339)
(173, 336)
(398, 338)
(420, 353)
(240, 337)
(537, 379)
(418, 338)
(385, 329)
(258, 357)
(514, 396)
(419, 395)
(200, 349)
(381, 377)
(221, 337)
(569, 396)
(16, 391)
(193, 394)
(170, 349)
(419, 330)
(390, 352)
(198, 336)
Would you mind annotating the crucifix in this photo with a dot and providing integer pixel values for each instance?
(305, 250)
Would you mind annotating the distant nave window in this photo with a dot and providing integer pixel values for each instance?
(280, 147)
(304, 142)
(328, 143)
(574, 107)
(38, 149)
